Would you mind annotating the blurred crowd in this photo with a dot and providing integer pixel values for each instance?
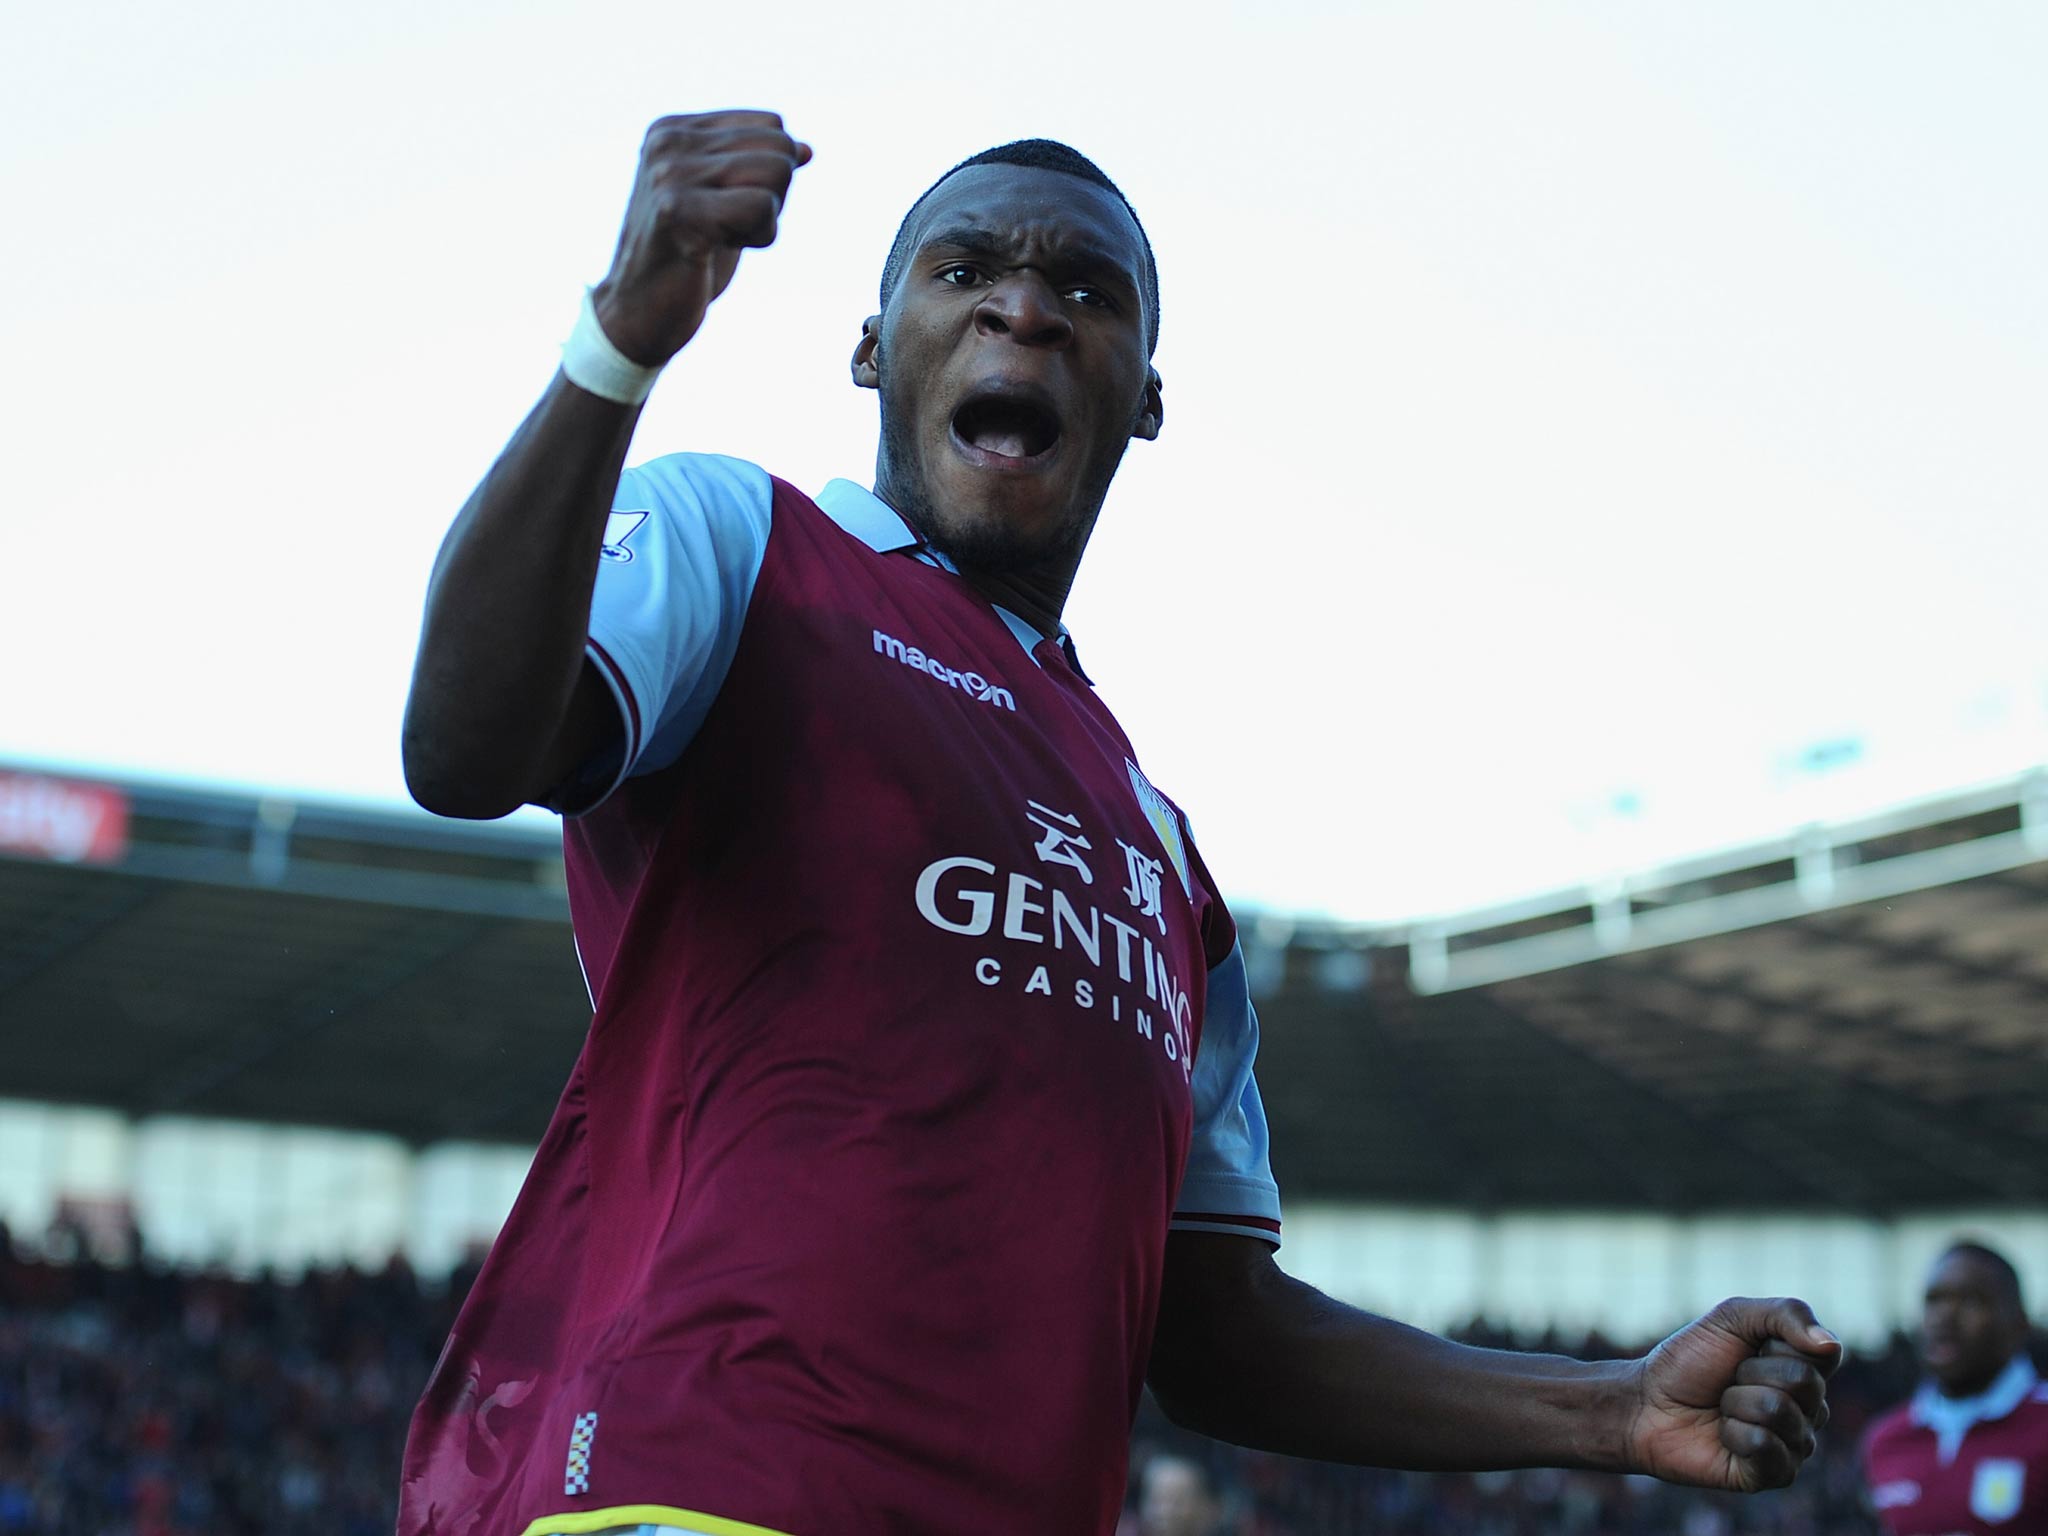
(141, 1401)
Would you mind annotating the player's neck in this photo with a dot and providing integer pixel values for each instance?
(1035, 588)
(1976, 1386)
(1038, 598)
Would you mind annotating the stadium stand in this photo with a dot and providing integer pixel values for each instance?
(144, 1402)
(1855, 1008)
(246, 957)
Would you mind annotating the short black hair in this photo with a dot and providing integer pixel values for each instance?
(1037, 155)
(1998, 1263)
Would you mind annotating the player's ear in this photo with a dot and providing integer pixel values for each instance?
(1153, 414)
(867, 355)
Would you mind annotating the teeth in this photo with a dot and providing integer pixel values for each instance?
(1010, 444)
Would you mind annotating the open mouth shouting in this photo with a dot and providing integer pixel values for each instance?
(1007, 427)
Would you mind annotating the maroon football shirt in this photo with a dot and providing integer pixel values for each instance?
(853, 1213)
(1939, 1467)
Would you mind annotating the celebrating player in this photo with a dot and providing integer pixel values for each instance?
(916, 1124)
(1970, 1451)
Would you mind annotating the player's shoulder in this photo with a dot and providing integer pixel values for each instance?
(706, 509)
(704, 479)
(2029, 1423)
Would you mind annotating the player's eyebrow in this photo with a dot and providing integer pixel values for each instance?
(963, 237)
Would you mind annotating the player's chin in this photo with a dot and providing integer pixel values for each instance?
(1003, 506)
(1026, 493)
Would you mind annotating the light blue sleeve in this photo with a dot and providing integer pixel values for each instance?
(682, 551)
(1228, 1186)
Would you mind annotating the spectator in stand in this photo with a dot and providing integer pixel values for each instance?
(1970, 1451)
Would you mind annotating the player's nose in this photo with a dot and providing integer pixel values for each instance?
(1024, 307)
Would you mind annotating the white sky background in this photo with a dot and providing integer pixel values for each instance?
(1563, 400)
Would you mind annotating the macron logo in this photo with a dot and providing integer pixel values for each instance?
(967, 682)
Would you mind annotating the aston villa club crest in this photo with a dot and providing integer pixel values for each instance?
(1997, 1488)
(1164, 823)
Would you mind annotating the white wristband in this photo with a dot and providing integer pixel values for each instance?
(591, 362)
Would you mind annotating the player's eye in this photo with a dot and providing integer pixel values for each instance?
(1094, 298)
(959, 274)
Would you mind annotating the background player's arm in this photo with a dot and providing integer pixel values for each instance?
(1247, 1354)
(503, 707)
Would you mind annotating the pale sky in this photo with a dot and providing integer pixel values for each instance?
(1565, 401)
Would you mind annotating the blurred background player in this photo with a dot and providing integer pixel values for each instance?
(1969, 1452)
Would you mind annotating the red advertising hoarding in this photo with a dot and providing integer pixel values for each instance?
(62, 819)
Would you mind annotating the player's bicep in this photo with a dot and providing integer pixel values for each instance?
(1209, 1304)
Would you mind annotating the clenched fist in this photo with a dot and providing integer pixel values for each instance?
(1735, 1400)
(710, 185)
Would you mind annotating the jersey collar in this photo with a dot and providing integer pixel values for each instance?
(1952, 1417)
(878, 525)
(867, 517)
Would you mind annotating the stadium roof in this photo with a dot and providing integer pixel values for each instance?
(1853, 1018)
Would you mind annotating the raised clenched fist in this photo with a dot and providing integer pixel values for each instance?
(1734, 1400)
(710, 185)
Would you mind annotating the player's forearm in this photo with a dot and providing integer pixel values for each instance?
(1284, 1368)
(508, 609)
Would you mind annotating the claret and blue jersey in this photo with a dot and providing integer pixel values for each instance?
(918, 1023)
(1943, 1466)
